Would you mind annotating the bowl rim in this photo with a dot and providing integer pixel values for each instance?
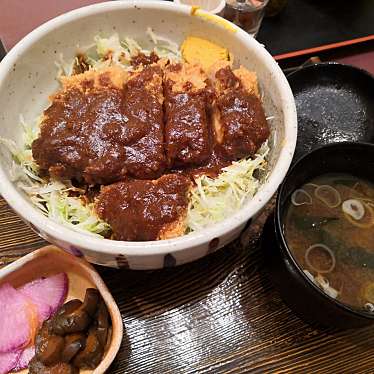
(85, 241)
(278, 220)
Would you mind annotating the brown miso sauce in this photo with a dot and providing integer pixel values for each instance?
(186, 130)
(242, 117)
(142, 59)
(150, 206)
(212, 167)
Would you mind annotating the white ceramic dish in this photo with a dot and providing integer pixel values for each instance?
(27, 78)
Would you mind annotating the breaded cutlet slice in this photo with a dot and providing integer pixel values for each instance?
(174, 229)
(143, 109)
(84, 131)
(185, 76)
(238, 117)
(150, 77)
(246, 78)
(187, 128)
(113, 76)
(141, 210)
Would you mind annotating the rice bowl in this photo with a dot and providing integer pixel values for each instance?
(278, 103)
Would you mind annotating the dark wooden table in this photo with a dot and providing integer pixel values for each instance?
(218, 315)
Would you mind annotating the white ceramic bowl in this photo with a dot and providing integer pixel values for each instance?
(27, 78)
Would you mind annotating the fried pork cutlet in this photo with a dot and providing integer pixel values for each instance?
(143, 108)
(139, 210)
(187, 132)
(238, 117)
(84, 130)
(104, 125)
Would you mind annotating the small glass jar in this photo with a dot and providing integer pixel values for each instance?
(247, 14)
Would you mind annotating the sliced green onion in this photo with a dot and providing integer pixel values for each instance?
(354, 208)
(301, 197)
(327, 250)
(324, 284)
(328, 195)
(368, 208)
(369, 307)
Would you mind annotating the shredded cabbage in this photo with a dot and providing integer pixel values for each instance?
(64, 68)
(52, 197)
(214, 199)
(110, 51)
(105, 52)
(163, 46)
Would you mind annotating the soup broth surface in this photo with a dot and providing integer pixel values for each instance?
(329, 229)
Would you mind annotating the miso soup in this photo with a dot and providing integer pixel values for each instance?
(329, 229)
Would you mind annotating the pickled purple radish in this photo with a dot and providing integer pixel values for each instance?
(15, 321)
(8, 361)
(50, 291)
(44, 311)
(24, 358)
